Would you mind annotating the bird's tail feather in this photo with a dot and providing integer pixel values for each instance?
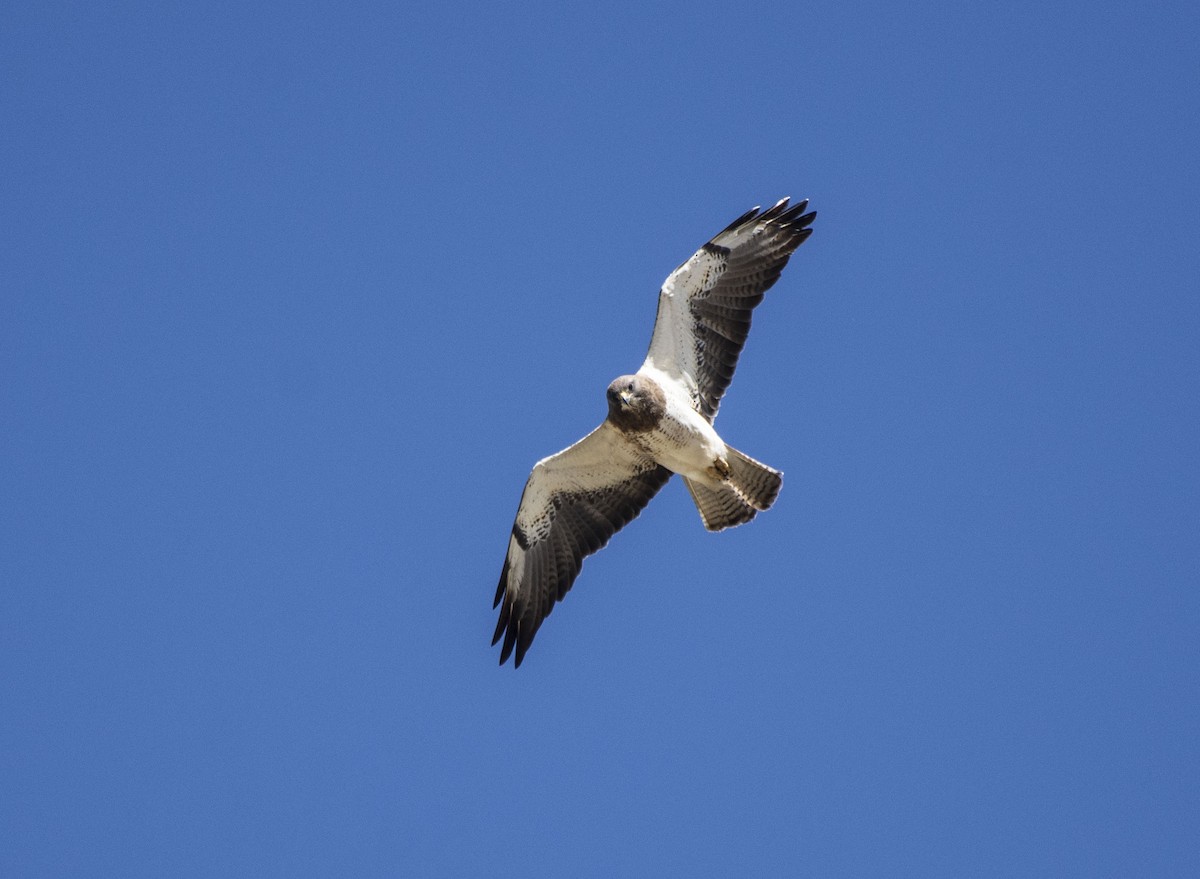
(750, 487)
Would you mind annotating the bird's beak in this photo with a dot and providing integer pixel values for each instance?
(625, 397)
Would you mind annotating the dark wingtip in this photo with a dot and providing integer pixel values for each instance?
(502, 623)
(744, 218)
(775, 211)
(797, 209)
(794, 217)
(781, 214)
(510, 637)
(501, 586)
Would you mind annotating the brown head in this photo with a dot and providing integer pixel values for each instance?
(636, 403)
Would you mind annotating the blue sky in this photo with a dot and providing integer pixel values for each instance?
(292, 298)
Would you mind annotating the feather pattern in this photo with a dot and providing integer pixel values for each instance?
(572, 504)
(704, 306)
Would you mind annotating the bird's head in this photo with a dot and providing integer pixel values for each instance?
(623, 391)
(635, 402)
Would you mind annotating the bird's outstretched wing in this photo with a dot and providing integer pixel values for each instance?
(573, 503)
(704, 306)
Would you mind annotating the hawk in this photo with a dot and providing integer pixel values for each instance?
(659, 422)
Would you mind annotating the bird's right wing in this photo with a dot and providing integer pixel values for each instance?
(573, 503)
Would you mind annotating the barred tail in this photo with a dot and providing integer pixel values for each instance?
(750, 487)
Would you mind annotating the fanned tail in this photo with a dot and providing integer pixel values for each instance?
(750, 487)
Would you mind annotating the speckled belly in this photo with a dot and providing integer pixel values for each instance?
(687, 446)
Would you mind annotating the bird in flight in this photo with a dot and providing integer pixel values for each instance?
(659, 422)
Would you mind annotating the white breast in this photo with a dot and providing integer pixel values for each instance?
(684, 442)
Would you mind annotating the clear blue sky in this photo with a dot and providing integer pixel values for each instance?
(293, 296)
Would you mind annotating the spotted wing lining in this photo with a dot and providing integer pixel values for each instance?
(705, 305)
(573, 503)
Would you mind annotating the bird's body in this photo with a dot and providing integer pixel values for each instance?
(681, 439)
(659, 422)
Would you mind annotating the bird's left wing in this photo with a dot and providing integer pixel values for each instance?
(573, 503)
(705, 304)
